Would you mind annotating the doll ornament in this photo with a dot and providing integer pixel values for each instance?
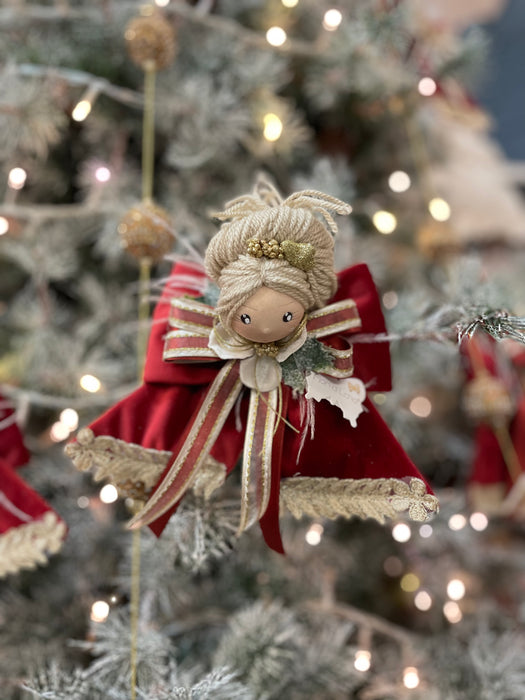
(270, 375)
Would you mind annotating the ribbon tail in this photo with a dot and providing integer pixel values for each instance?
(210, 419)
(257, 457)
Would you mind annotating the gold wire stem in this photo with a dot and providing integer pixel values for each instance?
(148, 131)
(134, 604)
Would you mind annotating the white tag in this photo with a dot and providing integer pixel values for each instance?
(346, 394)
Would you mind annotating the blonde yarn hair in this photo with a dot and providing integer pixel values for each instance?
(264, 215)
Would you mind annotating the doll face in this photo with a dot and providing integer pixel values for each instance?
(267, 316)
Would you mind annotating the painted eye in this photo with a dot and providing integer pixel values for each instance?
(287, 316)
(246, 319)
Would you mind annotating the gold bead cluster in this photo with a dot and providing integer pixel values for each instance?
(151, 41)
(266, 249)
(146, 231)
(266, 349)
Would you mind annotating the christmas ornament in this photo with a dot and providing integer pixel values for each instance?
(231, 380)
(150, 40)
(494, 400)
(146, 231)
(29, 528)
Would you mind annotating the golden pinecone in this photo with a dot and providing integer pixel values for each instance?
(487, 399)
(146, 231)
(150, 40)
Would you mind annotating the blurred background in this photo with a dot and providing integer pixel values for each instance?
(122, 127)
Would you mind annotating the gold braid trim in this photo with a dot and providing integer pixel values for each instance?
(364, 498)
(26, 546)
(132, 468)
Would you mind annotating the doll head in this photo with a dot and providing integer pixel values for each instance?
(266, 243)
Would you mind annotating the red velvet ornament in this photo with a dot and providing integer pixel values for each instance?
(148, 430)
(29, 528)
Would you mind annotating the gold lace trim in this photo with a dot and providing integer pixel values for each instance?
(128, 465)
(26, 546)
(364, 498)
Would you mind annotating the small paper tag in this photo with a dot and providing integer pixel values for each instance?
(346, 394)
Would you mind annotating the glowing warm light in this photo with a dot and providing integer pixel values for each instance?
(332, 19)
(273, 127)
(90, 383)
(410, 583)
(314, 534)
(290, 3)
(276, 36)
(426, 530)
(452, 612)
(456, 589)
(427, 87)
(162, 3)
(4, 225)
(479, 521)
(363, 660)
(69, 417)
(81, 111)
(410, 677)
(379, 399)
(401, 532)
(82, 501)
(59, 432)
(99, 611)
(103, 174)
(17, 178)
(439, 209)
(384, 221)
(108, 494)
(399, 181)
(420, 406)
(390, 300)
(457, 522)
(393, 566)
(423, 600)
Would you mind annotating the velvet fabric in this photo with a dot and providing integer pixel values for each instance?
(160, 413)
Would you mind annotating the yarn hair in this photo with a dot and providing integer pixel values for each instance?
(304, 217)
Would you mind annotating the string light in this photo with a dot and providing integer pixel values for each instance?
(82, 501)
(90, 383)
(108, 494)
(4, 225)
(379, 399)
(103, 174)
(420, 406)
(69, 418)
(479, 521)
(426, 530)
(393, 566)
(390, 300)
(276, 36)
(81, 110)
(457, 522)
(273, 127)
(410, 677)
(290, 3)
(99, 611)
(439, 209)
(384, 221)
(427, 87)
(363, 660)
(456, 589)
(314, 534)
(410, 583)
(162, 3)
(332, 19)
(452, 612)
(401, 532)
(17, 178)
(59, 432)
(423, 601)
(399, 181)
